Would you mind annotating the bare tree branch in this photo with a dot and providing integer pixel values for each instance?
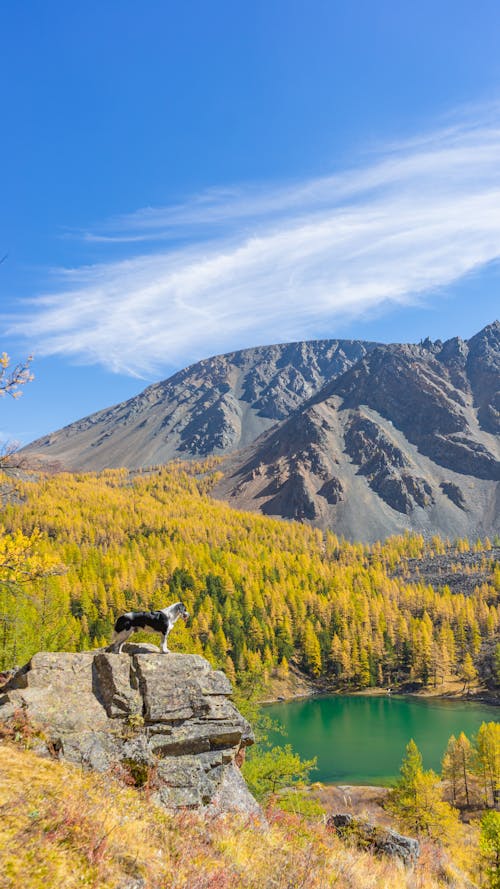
(10, 383)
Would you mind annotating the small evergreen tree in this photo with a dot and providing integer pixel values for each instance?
(468, 672)
(416, 800)
(312, 651)
(271, 770)
(487, 761)
(451, 768)
(464, 754)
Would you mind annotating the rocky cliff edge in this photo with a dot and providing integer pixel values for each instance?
(165, 718)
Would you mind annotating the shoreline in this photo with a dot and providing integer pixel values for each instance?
(482, 696)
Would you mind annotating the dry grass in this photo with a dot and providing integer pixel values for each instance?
(64, 827)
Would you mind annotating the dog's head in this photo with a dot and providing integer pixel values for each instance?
(183, 612)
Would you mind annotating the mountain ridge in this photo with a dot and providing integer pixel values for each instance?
(214, 406)
(366, 438)
(403, 424)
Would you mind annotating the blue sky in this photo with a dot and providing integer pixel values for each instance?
(185, 179)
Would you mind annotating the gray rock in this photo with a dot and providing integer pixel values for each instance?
(133, 883)
(232, 795)
(173, 694)
(113, 683)
(92, 749)
(167, 718)
(373, 836)
(138, 750)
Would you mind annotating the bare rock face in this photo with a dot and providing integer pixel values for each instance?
(483, 362)
(215, 406)
(405, 439)
(381, 462)
(167, 718)
(440, 402)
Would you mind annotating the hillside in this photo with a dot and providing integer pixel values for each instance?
(263, 594)
(268, 600)
(405, 439)
(64, 827)
(366, 439)
(212, 407)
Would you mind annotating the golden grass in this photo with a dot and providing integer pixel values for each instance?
(62, 827)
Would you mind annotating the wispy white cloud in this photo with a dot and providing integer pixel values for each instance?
(258, 265)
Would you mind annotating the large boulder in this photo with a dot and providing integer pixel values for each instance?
(376, 838)
(165, 718)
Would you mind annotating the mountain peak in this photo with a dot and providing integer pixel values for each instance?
(365, 438)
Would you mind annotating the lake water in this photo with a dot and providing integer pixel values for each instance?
(362, 739)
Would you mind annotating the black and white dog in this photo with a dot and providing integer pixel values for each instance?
(159, 621)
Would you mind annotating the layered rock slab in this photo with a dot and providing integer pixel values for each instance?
(166, 717)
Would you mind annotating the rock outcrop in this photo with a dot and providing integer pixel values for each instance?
(376, 838)
(166, 719)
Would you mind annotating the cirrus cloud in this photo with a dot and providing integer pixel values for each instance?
(243, 266)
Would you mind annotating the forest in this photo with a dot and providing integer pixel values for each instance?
(78, 549)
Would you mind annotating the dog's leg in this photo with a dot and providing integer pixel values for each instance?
(128, 633)
(120, 639)
(164, 647)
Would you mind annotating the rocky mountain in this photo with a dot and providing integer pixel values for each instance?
(213, 407)
(167, 718)
(364, 438)
(405, 439)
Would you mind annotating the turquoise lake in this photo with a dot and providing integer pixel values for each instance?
(361, 740)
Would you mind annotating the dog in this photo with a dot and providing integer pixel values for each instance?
(159, 621)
